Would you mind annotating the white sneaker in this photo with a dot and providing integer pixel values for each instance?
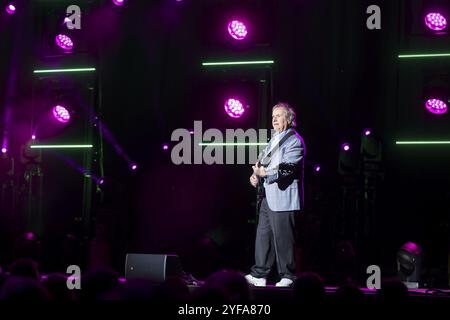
(257, 282)
(285, 282)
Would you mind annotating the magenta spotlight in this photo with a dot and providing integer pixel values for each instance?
(165, 146)
(101, 181)
(435, 21)
(436, 106)
(234, 108)
(133, 167)
(61, 114)
(237, 30)
(10, 8)
(367, 132)
(346, 146)
(4, 150)
(64, 42)
(118, 2)
(316, 168)
(33, 137)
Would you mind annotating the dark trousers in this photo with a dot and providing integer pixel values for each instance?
(275, 241)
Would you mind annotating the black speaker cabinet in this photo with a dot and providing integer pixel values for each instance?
(153, 267)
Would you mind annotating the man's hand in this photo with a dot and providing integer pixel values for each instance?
(254, 180)
(259, 171)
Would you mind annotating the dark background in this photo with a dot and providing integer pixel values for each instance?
(340, 76)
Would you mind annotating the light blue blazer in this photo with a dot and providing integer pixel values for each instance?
(284, 183)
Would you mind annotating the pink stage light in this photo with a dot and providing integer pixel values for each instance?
(61, 114)
(436, 106)
(64, 42)
(435, 21)
(237, 30)
(234, 108)
(345, 146)
(118, 2)
(11, 8)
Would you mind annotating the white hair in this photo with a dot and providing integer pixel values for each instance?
(290, 113)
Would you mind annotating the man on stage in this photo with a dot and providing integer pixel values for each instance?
(279, 174)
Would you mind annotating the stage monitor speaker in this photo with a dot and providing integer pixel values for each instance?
(153, 267)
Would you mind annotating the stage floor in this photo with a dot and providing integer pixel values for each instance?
(270, 293)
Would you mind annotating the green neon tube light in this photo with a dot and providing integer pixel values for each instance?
(424, 55)
(61, 146)
(423, 142)
(64, 70)
(232, 144)
(236, 63)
